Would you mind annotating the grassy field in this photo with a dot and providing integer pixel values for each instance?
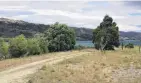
(119, 66)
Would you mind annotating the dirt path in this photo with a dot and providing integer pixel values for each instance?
(18, 74)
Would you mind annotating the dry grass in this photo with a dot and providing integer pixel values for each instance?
(96, 67)
(10, 63)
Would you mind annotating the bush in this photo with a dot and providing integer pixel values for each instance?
(43, 43)
(129, 45)
(4, 47)
(37, 45)
(34, 46)
(79, 47)
(18, 46)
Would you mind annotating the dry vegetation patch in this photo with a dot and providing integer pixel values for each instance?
(95, 67)
(11, 63)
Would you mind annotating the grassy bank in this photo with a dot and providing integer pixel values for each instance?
(119, 66)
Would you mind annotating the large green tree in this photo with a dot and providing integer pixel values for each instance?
(106, 35)
(60, 37)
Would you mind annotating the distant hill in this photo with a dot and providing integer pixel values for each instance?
(83, 33)
(12, 28)
(130, 35)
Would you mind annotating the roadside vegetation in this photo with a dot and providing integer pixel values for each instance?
(57, 38)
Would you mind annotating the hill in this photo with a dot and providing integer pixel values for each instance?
(130, 35)
(12, 28)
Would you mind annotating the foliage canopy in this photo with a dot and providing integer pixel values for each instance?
(18, 46)
(60, 37)
(106, 35)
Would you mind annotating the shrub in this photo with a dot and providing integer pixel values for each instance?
(18, 46)
(129, 45)
(4, 47)
(43, 43)
(34, 46)
(79, 47)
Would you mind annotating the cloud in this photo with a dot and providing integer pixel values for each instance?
(87, 14)
(133, 3)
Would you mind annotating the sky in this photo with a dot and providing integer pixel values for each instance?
(88, 14)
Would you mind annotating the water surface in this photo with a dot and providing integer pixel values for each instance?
(90, 44)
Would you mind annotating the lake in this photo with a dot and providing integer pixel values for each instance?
(90, 44)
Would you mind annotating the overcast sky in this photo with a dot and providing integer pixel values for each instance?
(86, 14)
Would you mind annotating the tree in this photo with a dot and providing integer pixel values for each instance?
(60, 37)
(18, 46)
(106, 35)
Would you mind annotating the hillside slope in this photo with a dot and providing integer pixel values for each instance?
(12, 28)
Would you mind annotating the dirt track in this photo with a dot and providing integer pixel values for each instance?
(19, 74)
